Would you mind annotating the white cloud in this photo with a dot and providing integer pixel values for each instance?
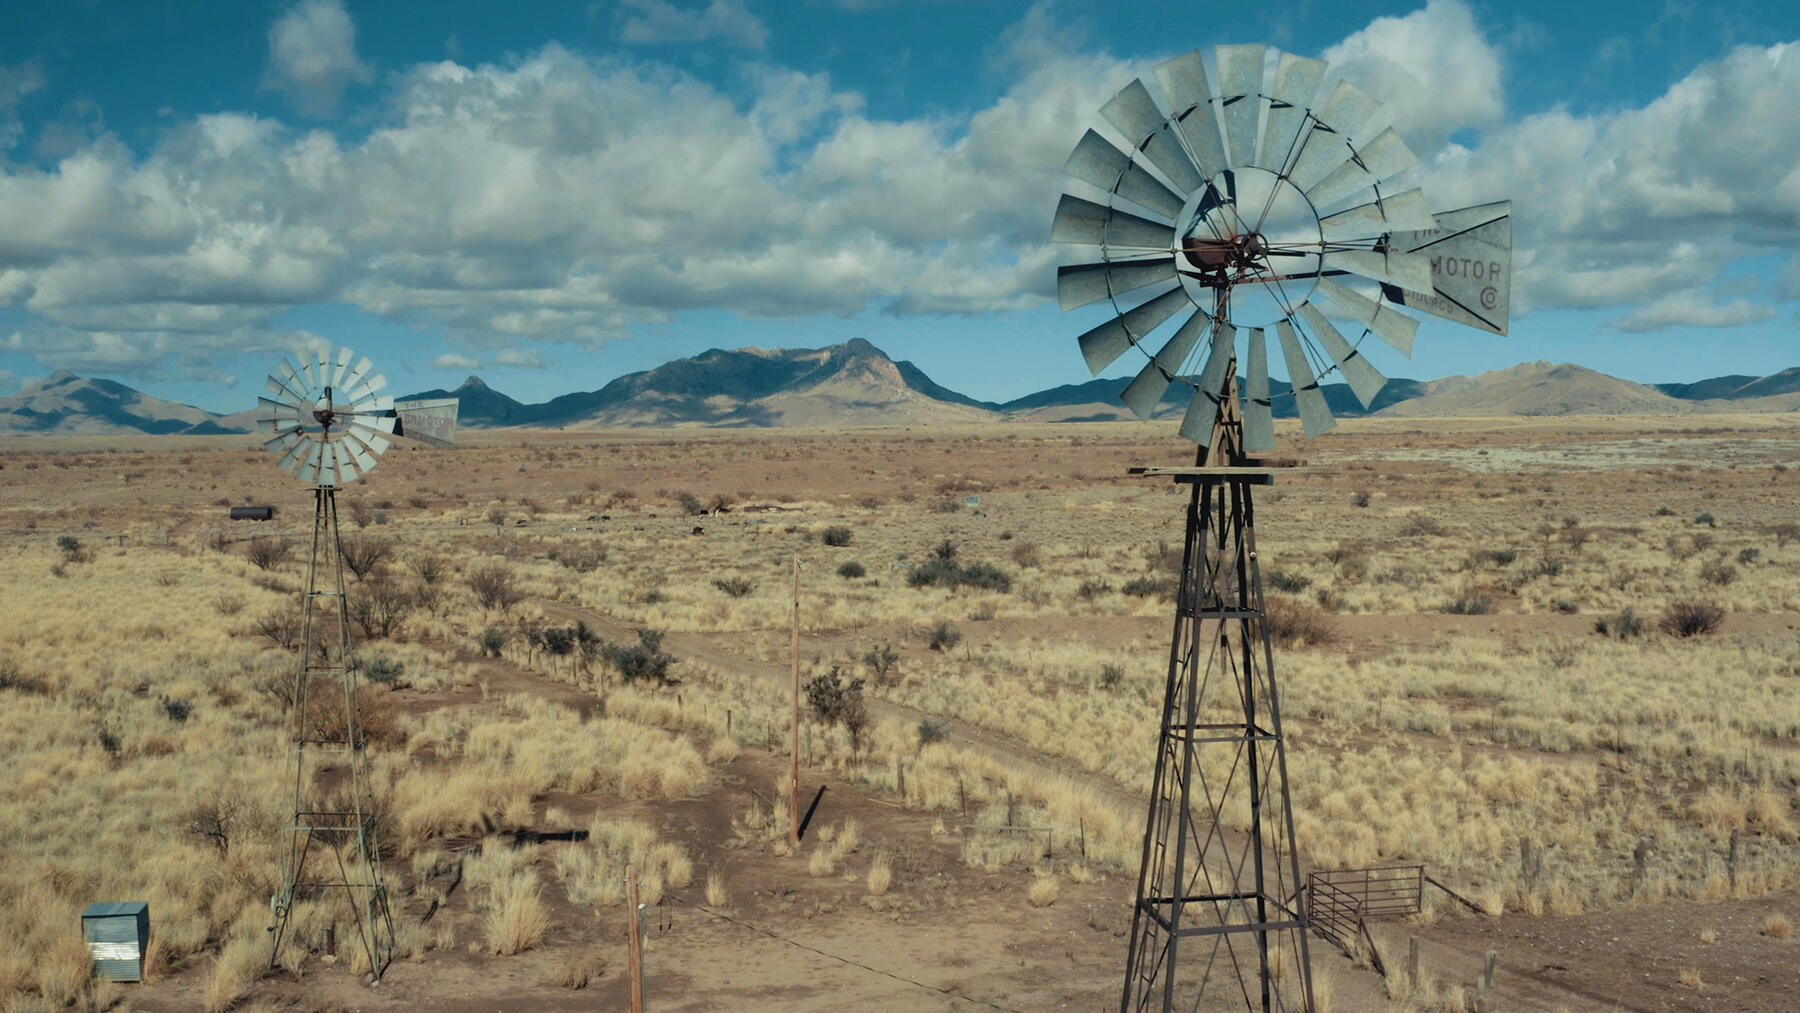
(16, 82)
(649, 21)
(1434, 69)
(519, 358)
(312, 56)
(9, 381)
(1692, 309)
(455, 360)
(564, 198)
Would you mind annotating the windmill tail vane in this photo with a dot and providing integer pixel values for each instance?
(1265, 198)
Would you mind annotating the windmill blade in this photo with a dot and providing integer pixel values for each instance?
(1322, 151)
(1378, 217)
(1083, 221)
(1315, 415)
(371, 405)
(1081, 284)
(376, 443)
(1364, 379)
(1183, 80)
(1096, 161)
(1470, 259)
(1259, 419)
(1410, 271)
(281, 409)
(1203, 409)
(432, 421)
(358, 449)
(1348, 111)
(346, 462)
(282, 441)
(328, 470)
(1135, 115)
(1240, 87)
(1145, 390)
(279, 427)
(1382, 158)
(309, 462)
(1105, 343)
(1388, 324)
(1297, 80)
(282, 388)
(344, 357)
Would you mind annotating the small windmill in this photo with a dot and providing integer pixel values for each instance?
(330, 426)
(1263, 201)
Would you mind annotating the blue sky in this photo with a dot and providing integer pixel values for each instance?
(552, 195)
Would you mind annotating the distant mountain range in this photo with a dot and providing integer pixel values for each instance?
(856, 384)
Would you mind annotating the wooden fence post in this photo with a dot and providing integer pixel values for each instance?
(635, 948)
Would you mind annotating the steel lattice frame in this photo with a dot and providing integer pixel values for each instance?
(1233, 890)
(333, 804)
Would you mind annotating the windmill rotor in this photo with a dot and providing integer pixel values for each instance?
(328, 423)
(1270, 201)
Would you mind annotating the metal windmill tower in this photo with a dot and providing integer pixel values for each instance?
(329, 427)
(1268, 198)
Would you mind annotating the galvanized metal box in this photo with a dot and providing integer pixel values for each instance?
(117, 933)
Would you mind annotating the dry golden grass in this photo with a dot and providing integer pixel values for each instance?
(881, 874)
(1777, 926)
(516, 917)
(1043, 890)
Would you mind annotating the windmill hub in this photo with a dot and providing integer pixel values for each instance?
(1254, 232)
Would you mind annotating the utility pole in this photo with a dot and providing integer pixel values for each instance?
(635, 926)
(794, 783)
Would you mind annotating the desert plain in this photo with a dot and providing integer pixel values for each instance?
(1554, 660)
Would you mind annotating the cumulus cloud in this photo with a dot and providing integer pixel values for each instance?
(9, 381)
(312, 56)
(651, 21)
(1434, 69)
(1693, 309)
(562, 197)
(455, 360)
(519, 358)
(16, 82)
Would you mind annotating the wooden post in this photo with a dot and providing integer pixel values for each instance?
(1412, 962)
(635, 950)
(1484, 986)
(794, 788)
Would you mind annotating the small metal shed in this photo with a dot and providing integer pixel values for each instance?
(117, 933)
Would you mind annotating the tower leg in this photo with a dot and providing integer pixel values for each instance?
(1218, 911)
(331, 842)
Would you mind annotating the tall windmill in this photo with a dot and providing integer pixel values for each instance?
(1268, 198)
(329, 426)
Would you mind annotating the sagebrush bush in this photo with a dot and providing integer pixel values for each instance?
(851, 570)
(1691, 619)
(1622, 626)
(735, 587)
(835, 536)
(943, 637)
(495, 586)
(1292, 622)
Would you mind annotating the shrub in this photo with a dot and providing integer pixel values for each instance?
(643, 661)
(177, 709)
(580, 558)
(428, 568)
(72, 549)
(267, 553)
(1690, 619)
(1706, 519)
(932, 731)
(1291, 622)
(1111, 676)
(1148, 587)
(1091, 589)
(281, 626)
(944, 550)
(851, 570)
(1498, 557)
(840, 703)
(492, 639)
(943, 637)
(942, 571)
(495, 586)
(516, 918)
(690, 504)
(1423, 524)
(1361, 499)
(1470, 604)
(1785, 533)
(1664, 511)
(735, 587)
(1027, 555)
(881, 659)
(835, 536)
(381, 607)
(384, 670)
(1749, 555)
(228, 604)
(1288, 583)
(1623, 626)
(1718, 573)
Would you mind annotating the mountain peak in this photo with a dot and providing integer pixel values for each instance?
(861, 346)
(473, 383)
